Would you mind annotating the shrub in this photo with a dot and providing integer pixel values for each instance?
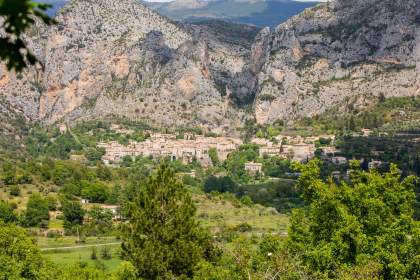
(93, 254)
(368, 219)
(15, 191)
(243, 227)
(37, 212)
(246, 200)
(106, 253)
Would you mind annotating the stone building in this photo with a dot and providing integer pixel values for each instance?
(375, 164)
(114, 209)
(270, 151)
(339, 160)
(253, 167)
(163, 145)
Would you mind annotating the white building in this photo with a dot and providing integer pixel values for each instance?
(374, 164)
(253, 167)
(339, 160)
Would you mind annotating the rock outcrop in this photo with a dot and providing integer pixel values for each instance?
(345, 55)
(117, 57)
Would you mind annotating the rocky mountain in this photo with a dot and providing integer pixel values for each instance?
(255, 12)
(117, 57)
(344, 55)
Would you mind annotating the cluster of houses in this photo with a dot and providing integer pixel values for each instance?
(296, 148)
(196, 147)
(190, 148)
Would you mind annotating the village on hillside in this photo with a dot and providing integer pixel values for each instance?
(190, 147)
(196, 147)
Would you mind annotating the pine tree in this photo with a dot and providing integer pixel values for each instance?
(162, 239)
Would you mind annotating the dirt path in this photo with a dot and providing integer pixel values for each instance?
(79, 246)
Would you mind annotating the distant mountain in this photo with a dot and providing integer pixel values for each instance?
(256, 12)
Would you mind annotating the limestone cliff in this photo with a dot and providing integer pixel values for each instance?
(345, 54)
(116, 57)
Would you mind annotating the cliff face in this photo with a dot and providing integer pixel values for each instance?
(345, 54)
(118, 57)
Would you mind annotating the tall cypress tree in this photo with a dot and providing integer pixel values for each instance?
(162, 239)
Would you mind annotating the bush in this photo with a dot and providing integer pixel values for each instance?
(53, 234)
(243, 227)
(221, 185)
(246, 200)
(24, 179)
(9, 178)
(365, 220)
(20, 257)
(52, 203)
(106, 253)
(6, 212)
(15, 191)
(37, 212)
(93, 254)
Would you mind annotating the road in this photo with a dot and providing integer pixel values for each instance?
(79, 246)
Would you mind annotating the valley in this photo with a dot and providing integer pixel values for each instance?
(185, 140)
(257, 13)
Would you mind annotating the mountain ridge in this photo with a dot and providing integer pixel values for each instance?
(254, 12)
(343, 53)
(120, 58)
(132, 58)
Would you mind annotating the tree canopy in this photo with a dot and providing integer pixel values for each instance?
(20, 258)
(37, 211)
(162, 239)
(73, 214)
(365, 222)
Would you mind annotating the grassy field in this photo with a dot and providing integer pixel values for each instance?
(215, 213)
(83, 255)
(22, 199)
(221, 214)
(66, 241)
(80, 254)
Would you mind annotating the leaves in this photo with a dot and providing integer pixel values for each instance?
(19, 256)
(368, 219)
(18, 16)
(162, 238)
